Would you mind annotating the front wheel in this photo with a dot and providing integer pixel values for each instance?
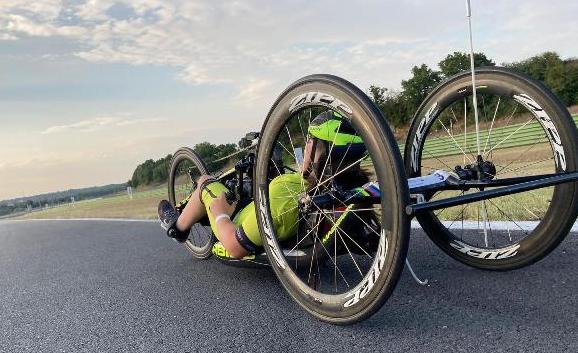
(350, 271)
(524, 131)
(185, 169)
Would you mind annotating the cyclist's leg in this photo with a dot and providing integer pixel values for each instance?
(200, 203)
(194, 211)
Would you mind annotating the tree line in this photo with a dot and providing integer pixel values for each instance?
(157, 171)
(399, 106)
(23, 204)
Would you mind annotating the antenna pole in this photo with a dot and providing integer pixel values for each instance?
(472, 67)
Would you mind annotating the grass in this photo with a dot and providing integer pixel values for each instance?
(143, 205)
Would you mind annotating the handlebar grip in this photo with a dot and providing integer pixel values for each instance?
(230, 197)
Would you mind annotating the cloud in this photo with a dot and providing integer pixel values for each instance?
(97, 124)
(254, 90)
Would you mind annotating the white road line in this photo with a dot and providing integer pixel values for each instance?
(527, 225)
(81, 220)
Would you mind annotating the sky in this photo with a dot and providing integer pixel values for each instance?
(91, 88)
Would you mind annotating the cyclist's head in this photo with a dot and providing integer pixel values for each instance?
(333, 145)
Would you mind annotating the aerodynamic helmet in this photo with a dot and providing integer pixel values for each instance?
(335, 143)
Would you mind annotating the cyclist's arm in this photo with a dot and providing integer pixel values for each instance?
(226, 228)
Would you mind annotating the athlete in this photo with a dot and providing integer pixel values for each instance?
(332, 144)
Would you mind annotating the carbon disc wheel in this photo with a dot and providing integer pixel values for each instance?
(344, 278)
(524, 131)
(185, 169)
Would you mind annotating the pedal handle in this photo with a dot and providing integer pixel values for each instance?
(230, 197)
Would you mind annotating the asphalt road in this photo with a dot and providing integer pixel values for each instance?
(118, 286)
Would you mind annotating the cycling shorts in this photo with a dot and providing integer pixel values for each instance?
(284, 193)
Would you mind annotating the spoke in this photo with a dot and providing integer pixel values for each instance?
(510, 135)
(361, 219)
(289, 210)
(508, 217)
(351, 255)
(336, 267)
(492, 125)
(312, 257)
(286, 188)
(465, 126)
(527, 165)
(458, 216)
(329, 157)
(517, 158)
(353, 210)
(439, 160)
(306, 139)
(443, 209)
(285, 148)
(341, 171)
(485, 220)
(315, 227)
(523, 206)
(454, 140)
(344, 232)
(512, 114)
(293, 146)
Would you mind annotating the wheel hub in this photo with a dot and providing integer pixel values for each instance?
(481, 170)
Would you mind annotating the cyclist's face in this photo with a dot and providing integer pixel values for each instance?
(308, 155)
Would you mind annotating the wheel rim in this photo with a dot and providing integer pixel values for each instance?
(185, 173)
(334, 278)
(514, 139)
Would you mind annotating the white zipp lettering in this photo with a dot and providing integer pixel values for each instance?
(268, 230)
(485, 254)
(546, 122)
(419, 135)
(369, 281)
(321, 98)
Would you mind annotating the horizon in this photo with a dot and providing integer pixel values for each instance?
(90, 91)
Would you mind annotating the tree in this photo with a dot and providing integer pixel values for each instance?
(558, 75)
(392, 105)
(537, 66)
(458, 62)
(416, 89)
(377, 95)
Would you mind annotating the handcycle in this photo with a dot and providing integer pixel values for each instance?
(516, 181)
(489, 170)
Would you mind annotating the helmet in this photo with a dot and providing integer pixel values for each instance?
(335, 142)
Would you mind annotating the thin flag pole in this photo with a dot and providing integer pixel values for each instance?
(472, 67)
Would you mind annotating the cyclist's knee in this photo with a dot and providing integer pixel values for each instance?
(203, 178)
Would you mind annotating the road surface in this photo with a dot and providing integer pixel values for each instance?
(76, 286)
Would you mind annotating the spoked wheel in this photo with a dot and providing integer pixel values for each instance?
(352, 254)
(524, 131)
(185, 169)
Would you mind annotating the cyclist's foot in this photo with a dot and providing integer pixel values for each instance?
(168, 216)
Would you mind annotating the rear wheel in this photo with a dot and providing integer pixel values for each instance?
(337, 272)
(185, 169)
(524, 131)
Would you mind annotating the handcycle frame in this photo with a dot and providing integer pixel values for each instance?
(418, 189)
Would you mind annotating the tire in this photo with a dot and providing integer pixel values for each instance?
(359, 302)
(201, 238)
(547, 215)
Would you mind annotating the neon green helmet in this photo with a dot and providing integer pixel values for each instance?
(331, 127)
(341, 143)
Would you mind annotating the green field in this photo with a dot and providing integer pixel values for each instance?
(144, 203)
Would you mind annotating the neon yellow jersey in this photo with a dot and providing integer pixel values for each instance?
(284, 193)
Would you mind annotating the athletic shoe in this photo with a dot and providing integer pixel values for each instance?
(168, 216)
